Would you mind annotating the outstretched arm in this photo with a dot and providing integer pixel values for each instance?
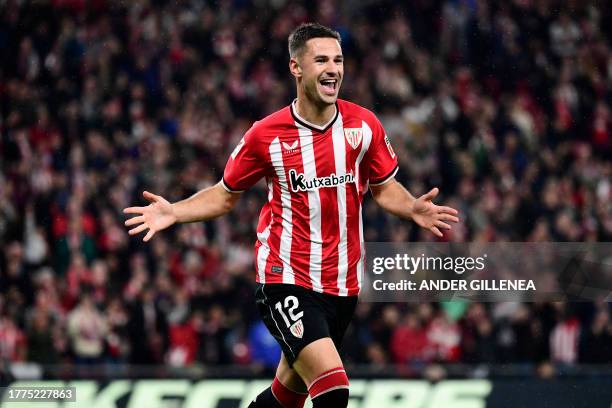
(209, 203)
(394, 198)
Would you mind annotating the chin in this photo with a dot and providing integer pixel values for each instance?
(328, 99)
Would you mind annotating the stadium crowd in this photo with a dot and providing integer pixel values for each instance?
(505, 105)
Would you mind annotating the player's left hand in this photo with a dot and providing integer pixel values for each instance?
(431, 216)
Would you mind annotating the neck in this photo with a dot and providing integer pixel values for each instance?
(317, 115)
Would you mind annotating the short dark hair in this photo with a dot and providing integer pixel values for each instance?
(307, 31)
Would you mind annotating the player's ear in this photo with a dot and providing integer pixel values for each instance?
(295, 68)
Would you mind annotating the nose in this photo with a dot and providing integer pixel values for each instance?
(332, 69)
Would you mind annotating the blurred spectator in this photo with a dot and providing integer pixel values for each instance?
(184, 340)
(13, 341)
(409, 341)
(148, 329)
(444, 337)
(41, 338)
(215, 331)
(87, 329)
(117, 338)
(596, 341)
(478, 338)
(564, 340)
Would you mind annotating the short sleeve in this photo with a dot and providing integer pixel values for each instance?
(382, 158)
(246, 164)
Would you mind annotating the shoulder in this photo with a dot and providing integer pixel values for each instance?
(350, 110)
(273, 122)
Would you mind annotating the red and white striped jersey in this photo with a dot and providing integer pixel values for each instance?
(310, 230)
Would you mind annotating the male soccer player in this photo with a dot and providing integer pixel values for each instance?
(319, 156)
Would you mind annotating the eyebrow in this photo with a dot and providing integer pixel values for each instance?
(325, 56)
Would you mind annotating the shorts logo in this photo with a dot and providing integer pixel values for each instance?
(297, 329)
(353, 136)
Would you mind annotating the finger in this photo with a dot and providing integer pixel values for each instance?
(448, 217)
(436, 231)
(441, 224)
(447, 210)
(138, 229)
(431, 194)
(150, 196)
(149, 235)
(133, 210)
(134, 220)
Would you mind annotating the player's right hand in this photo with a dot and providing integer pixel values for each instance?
(155, 217)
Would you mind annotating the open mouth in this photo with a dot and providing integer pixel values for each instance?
(329, 86)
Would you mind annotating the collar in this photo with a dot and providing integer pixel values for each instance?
(309, 125)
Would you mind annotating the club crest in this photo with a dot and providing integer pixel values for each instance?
(297, 329)
(353, 136)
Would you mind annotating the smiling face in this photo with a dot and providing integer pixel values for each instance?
(319, 71)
